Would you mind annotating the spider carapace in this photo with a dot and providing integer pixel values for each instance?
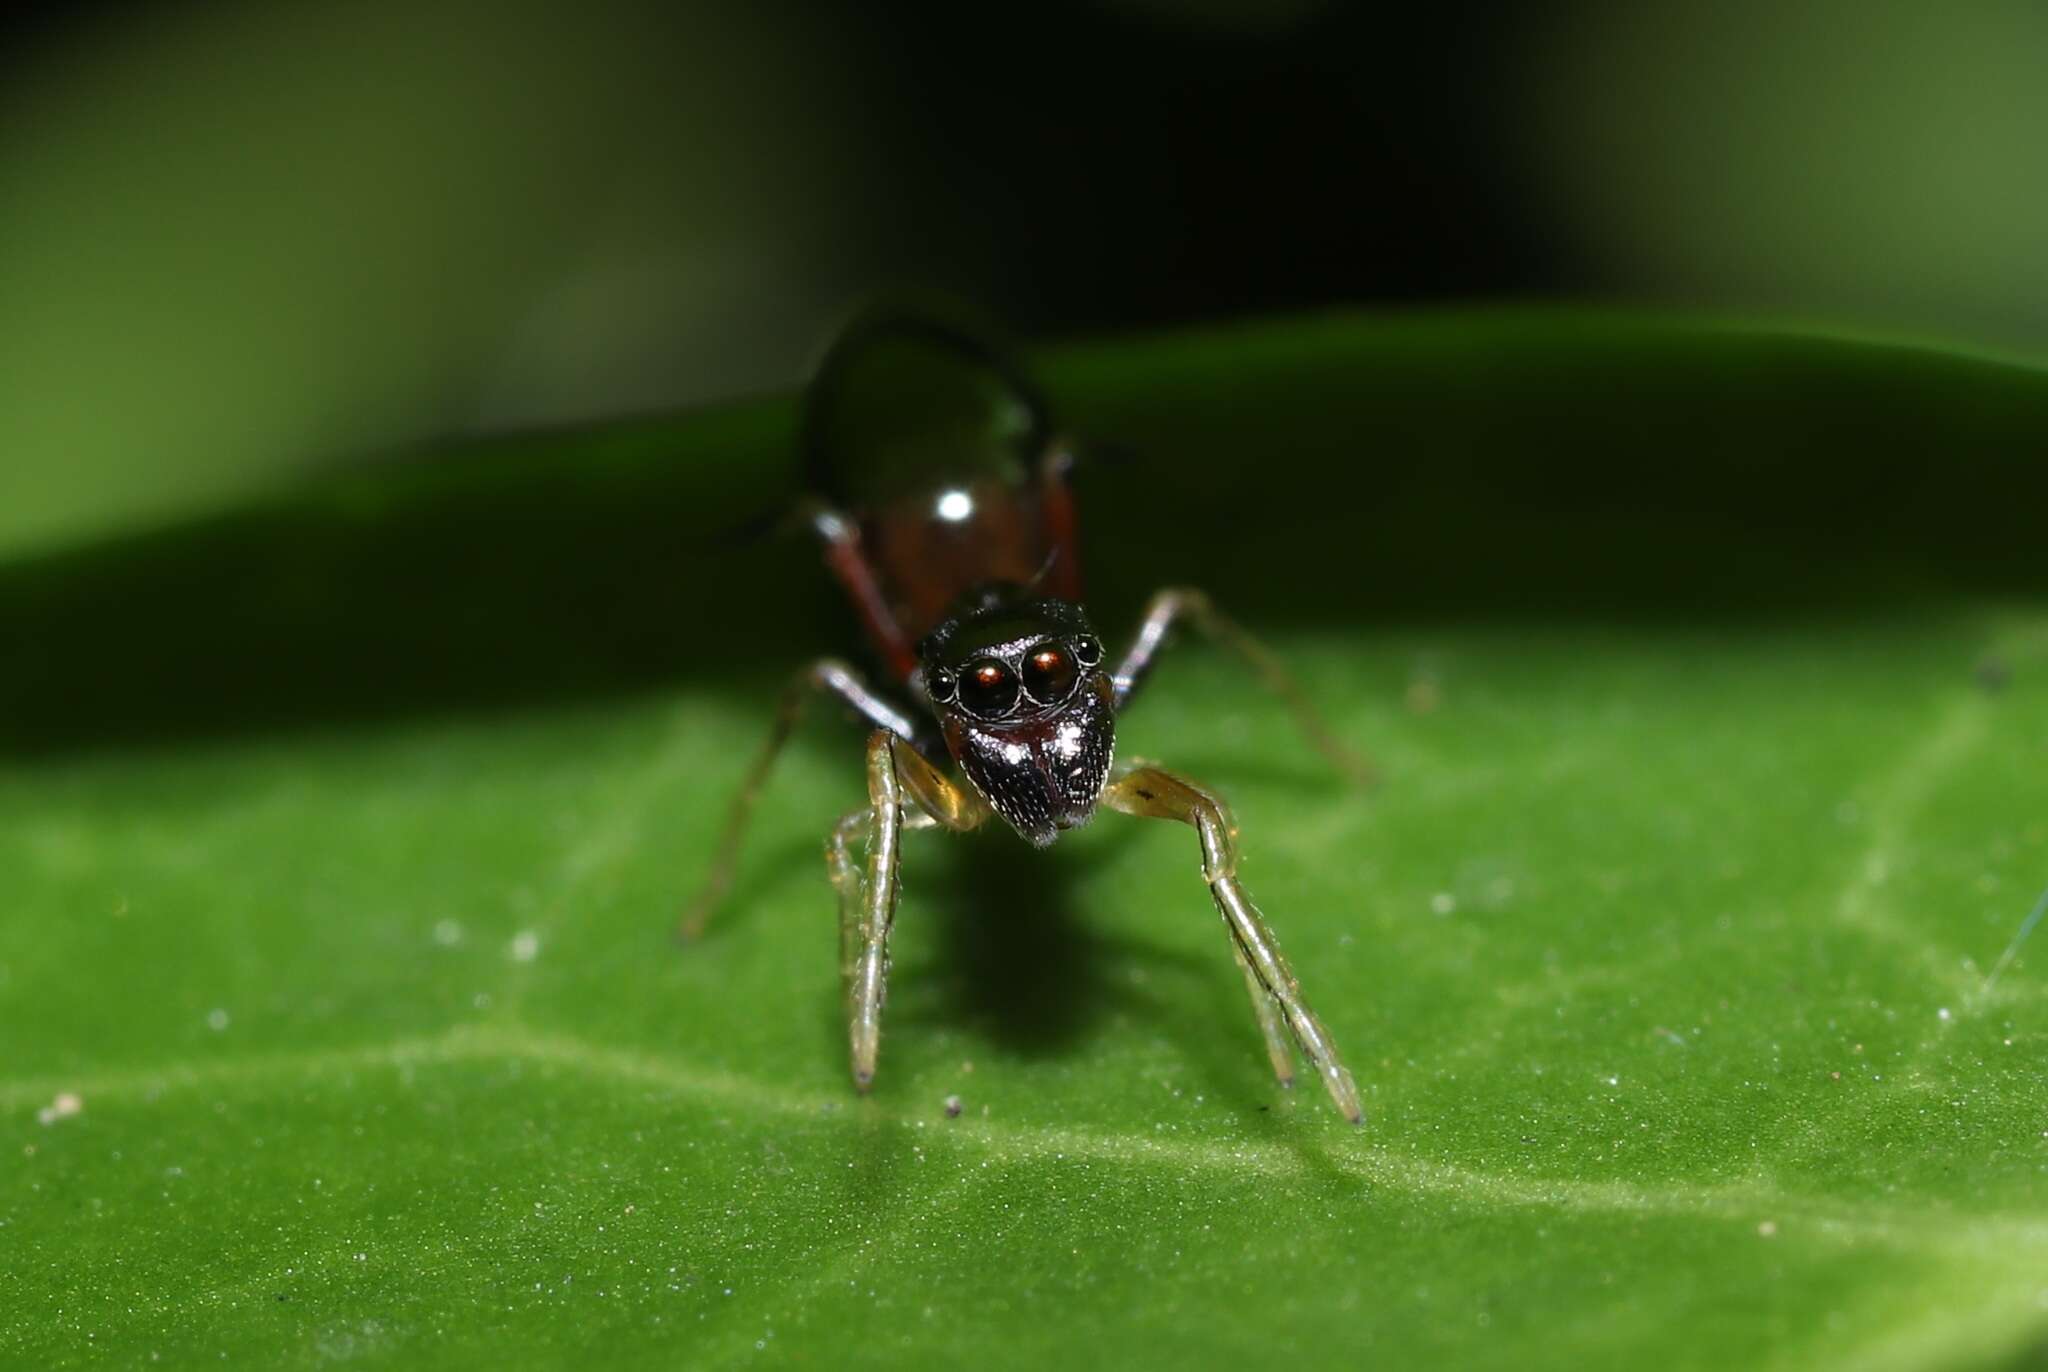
(939, 492)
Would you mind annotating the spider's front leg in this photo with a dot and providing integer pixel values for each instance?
(1155, 793)
(904, 792)
(827, 676)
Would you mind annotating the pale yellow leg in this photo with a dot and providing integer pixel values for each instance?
(904, 792)
(828, 675)
(1271, 1021)
(1155, 793)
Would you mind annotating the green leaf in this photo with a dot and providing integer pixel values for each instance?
(1707, 669)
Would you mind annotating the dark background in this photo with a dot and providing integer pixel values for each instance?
(1144, 172)
(1124, 165)
(245, 241)
(322, 322)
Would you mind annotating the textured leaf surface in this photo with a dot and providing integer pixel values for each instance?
(1664, 955)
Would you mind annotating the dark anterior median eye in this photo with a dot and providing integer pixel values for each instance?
(1087, 651)
(987, 689)
(1049, 674)
(939, 684)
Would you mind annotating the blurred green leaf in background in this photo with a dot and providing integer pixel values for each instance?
(243, 240)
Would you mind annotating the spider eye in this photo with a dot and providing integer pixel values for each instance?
(940, 684)
(1087, 651)
(1049, 673)
(987, 689)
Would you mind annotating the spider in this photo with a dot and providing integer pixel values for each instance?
(940, 494)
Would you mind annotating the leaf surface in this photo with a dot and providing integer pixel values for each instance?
(341, 837)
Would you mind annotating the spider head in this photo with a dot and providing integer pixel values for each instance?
(1026, 706)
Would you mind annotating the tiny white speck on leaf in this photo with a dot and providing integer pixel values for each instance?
(447, 933)
(525, 946)
(216, 1020)
(1443, 902)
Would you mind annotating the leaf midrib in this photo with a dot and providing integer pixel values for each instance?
(1357, 1159)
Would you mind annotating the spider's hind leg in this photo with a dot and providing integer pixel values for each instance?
(1185, 604)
